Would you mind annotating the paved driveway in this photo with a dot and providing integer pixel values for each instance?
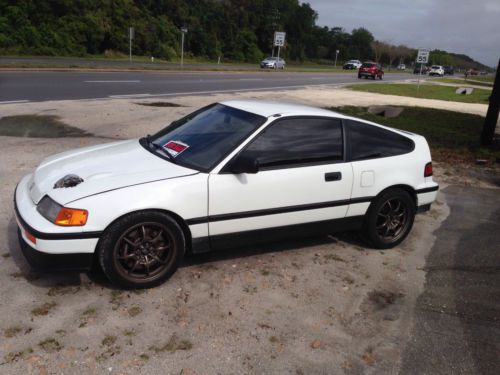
(457, 329)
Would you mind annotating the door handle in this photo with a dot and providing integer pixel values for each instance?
(333, 176)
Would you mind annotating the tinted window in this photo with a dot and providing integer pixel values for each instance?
(368, 65)
(298, 141)
(202, 139)
(369, 142)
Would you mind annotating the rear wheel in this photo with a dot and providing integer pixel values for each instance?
(389, 219)
(141, 250)
(359, 76)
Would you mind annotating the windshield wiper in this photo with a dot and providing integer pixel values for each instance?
(156, 146)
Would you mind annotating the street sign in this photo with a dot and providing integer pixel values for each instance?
(131, 32)
(423, 56)
(279, 38)
(184, 30)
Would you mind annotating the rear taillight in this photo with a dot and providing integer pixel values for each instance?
(428, 170)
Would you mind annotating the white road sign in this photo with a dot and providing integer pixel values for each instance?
(279, 38)
(423, 56)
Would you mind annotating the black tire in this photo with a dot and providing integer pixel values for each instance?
(381, 76)
(141, 250)
(359, 76)
(374, 77)
(389, 219)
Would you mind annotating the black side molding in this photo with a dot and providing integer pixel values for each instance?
(278, 210)
(427, 190)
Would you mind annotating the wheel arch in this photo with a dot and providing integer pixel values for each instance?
(177, 218)
(410, 190)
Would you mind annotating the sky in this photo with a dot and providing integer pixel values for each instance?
(471, 27)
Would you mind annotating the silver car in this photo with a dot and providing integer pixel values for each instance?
(273, 62)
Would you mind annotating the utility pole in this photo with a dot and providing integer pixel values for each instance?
(336, 54)
(130, 37)
(490, 121)
(184, 30)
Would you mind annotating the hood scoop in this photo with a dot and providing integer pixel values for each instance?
(70, 180)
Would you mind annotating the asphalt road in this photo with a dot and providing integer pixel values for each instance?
(29, 86)
(457, 325)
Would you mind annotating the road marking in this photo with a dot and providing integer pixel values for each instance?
(128, 96)
(251, 79)
(127, 81)
(14, 101)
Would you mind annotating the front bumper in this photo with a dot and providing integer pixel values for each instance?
(42, 247)
(40, 261)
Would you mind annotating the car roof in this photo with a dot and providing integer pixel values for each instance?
(271, 108)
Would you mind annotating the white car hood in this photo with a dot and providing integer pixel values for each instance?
(102, 168)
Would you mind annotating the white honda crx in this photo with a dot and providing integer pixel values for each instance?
(232, 172)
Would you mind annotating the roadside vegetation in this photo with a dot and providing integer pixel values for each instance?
(233, 30)
(426, 91)
(452, 136)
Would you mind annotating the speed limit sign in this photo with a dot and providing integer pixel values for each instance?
(423, 56)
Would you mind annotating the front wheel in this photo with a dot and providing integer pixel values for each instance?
(389, 219)
(359, 76)
(141, 250)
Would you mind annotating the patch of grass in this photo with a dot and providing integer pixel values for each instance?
(50, 345)
(6, 255)
(40, 126)
(12, 331)
(89, 312)
(15, 356)
(134, 311)
(116, 298)
(144, 356)
(334, 257)
(452, 136)
(108, 340)
(172, 345)
(425, 92)
(264, 272)
(61, 290)
(274, 339)
(43, 309)
(382, 299)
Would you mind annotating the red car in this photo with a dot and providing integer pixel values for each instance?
(370, 69)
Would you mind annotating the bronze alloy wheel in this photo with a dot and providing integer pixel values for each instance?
(392, 219)
(144, 251)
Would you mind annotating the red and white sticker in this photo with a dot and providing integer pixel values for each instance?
(174, 148)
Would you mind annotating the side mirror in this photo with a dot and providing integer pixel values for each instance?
(244, 164)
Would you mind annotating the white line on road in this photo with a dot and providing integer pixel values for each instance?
(14, 101)
(128, 81)
(128, 96)
(251, 79)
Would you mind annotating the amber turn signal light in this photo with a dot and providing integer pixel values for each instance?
(70, 217)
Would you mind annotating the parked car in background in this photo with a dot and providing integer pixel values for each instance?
(401, 67)
(416, 69)
(448, 70)
(436, 70)
(222, 176)
(352, 64)
(273, 63)
(473, 72)
(371, 69)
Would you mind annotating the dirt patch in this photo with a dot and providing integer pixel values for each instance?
(38, 126)
(160, 104)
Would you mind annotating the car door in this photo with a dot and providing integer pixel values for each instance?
(302, 178)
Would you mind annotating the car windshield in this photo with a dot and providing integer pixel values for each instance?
(203, 138)
(270, 58)
(436, 67)
(368, 65)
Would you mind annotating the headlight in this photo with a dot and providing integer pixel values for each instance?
(59, 215)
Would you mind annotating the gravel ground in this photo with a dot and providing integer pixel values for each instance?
(316, 306)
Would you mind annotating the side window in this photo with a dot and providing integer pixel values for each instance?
(369, 142)
(296, 141)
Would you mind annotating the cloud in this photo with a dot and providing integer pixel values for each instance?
(460, 26)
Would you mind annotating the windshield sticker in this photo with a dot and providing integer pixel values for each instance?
(174, 148)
